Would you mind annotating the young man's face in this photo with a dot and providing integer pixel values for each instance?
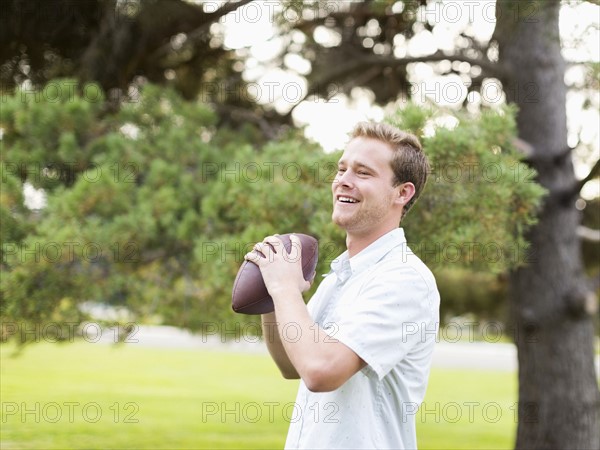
(364, 199)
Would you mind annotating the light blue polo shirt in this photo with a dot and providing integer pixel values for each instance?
(383, 303)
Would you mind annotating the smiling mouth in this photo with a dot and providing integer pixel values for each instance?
(346, 200)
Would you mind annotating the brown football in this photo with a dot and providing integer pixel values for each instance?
(250, 295)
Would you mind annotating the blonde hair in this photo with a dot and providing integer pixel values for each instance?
(409, 162)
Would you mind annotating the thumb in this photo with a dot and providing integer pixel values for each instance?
(296, 249)
(295, 253)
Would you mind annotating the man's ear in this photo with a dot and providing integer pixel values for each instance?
(406, 191)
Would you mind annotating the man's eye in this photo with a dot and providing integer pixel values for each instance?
(362, 172)
(341, 170)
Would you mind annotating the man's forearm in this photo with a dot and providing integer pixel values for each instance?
(323, 363)
(307, 346)
(272, 338)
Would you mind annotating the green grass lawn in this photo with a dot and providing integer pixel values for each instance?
(82, 395)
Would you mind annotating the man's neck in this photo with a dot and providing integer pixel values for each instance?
(356, 242)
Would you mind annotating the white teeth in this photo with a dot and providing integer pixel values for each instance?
(347, 200)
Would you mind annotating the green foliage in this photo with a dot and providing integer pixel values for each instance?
(480, 196)
(154, 210)
(478, 294)
(153, 207)
(50, 129)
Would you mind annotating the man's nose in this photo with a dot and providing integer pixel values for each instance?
(345, 178)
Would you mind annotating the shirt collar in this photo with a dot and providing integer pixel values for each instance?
(341, 267)
(344, 267)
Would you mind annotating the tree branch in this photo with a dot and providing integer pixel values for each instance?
(491, 68)
(588, 234)
(547, 157)
(246, 115)
(593, 173)
(524, 147)
(198, 33)
(355, 64)
(572, 191)
(227, 8)
(594, 282)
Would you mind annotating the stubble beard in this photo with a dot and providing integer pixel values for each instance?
(362, 219)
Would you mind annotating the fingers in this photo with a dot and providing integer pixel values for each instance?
(274, 245)
(273, 242)
(254, 256)
(263, 250)
(280, 264)
(296, 242)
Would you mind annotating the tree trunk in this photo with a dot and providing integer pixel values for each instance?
(559, 401)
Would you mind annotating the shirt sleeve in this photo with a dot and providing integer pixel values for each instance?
(390, 315)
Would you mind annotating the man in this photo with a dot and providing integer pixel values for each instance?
(363, 344)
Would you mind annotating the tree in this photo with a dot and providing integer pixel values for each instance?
(110, 42)
(552, 302)
(154, 207)
(118, 44)
(137, 208)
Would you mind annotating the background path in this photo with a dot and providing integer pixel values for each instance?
(449, 355)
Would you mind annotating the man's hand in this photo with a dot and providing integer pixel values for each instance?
(281, 271)
(323, 362)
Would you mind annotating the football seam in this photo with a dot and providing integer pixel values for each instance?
(254, 303)
(310, 260)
